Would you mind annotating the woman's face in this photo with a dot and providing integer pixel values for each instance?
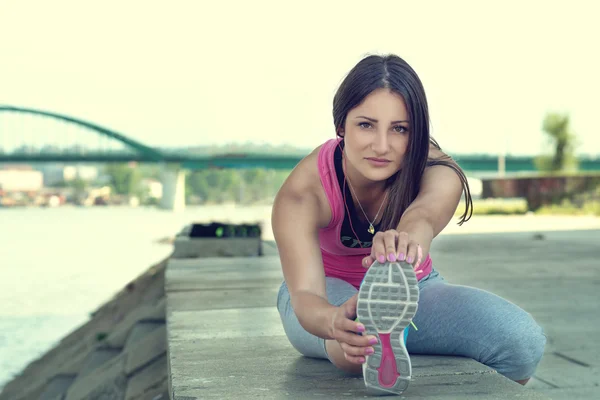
(376, 135)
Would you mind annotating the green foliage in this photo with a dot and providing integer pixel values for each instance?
(588, 204)
(78, 184)
(79, 187)
(124, 178)
(563, 142)
(495, 207)
(240, 186)
(583, 203)
(567, 207)
(151, 171)
(213, 185)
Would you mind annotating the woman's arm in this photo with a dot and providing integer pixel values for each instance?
(298, 214)
(423, 220)
(430, 212)
(296, 219)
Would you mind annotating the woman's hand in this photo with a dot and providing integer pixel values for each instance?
(394, 246)
(344, 330)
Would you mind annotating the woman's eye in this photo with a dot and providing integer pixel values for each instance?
(400, 129)
(362, 125)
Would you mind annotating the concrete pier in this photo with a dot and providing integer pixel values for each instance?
(225, 338)
(173, 181)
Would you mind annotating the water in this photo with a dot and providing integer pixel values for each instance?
(58, 265)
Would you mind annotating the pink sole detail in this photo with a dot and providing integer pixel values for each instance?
(388, 371)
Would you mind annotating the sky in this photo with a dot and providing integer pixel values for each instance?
(192, 73)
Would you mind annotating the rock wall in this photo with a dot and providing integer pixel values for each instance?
(120, 353)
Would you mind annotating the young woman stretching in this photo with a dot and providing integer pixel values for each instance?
(360, 213)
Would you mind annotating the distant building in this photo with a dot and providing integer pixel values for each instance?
(84, 172)
(20, 180)
(57, 174)
(154, 188)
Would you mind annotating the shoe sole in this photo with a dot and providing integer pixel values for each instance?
(387, 302)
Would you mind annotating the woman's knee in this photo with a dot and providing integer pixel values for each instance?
(519, 349)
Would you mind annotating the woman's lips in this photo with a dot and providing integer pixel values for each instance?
(378, 162)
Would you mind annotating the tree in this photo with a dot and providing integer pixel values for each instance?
(241, 186)
(124, 179)
(195, 184)
(50, 149)
(79, 187)
(78, 184)
(562, 140)
(213, 185)
(257, 182)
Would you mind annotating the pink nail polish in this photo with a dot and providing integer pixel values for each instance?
(401, 258)
(409, 260)
(373, 341)
(381, 259)
(369, 351)
(360, 328)
(362, 360)
(392, 257)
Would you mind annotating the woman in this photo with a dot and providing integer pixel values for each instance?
(367, 205)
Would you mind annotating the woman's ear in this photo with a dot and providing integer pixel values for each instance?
(340, 133)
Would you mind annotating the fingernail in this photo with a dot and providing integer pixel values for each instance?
(409, 260)
(362, 360)
(381, 259)
(373, 340)
(392, 257)
(401, 257)
(370, 350)
(360, 328)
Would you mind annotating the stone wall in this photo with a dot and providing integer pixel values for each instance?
(120, 353)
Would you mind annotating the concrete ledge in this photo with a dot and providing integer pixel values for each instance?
(225, 340)
(186, 247)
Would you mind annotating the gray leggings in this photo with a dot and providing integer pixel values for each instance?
(451, 320)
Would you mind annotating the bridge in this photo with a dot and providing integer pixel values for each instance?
(35, 136)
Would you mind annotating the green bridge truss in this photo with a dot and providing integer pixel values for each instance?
(133, 150)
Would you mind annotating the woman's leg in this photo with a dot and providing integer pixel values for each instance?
(465, 321)
(338, 292)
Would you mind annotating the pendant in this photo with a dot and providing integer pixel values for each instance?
(371, 229)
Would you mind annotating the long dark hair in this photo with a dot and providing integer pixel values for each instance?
(392, 72)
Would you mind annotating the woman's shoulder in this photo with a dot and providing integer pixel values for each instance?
(305, 176)
(304, 182)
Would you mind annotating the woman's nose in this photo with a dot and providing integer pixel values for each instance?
(380, 144)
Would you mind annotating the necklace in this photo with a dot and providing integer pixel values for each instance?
(371, 229)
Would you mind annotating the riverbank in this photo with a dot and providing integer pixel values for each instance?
(120, 353)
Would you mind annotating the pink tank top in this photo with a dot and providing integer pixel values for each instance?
(340, 261)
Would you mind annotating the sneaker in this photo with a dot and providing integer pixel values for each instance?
(387, 302)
